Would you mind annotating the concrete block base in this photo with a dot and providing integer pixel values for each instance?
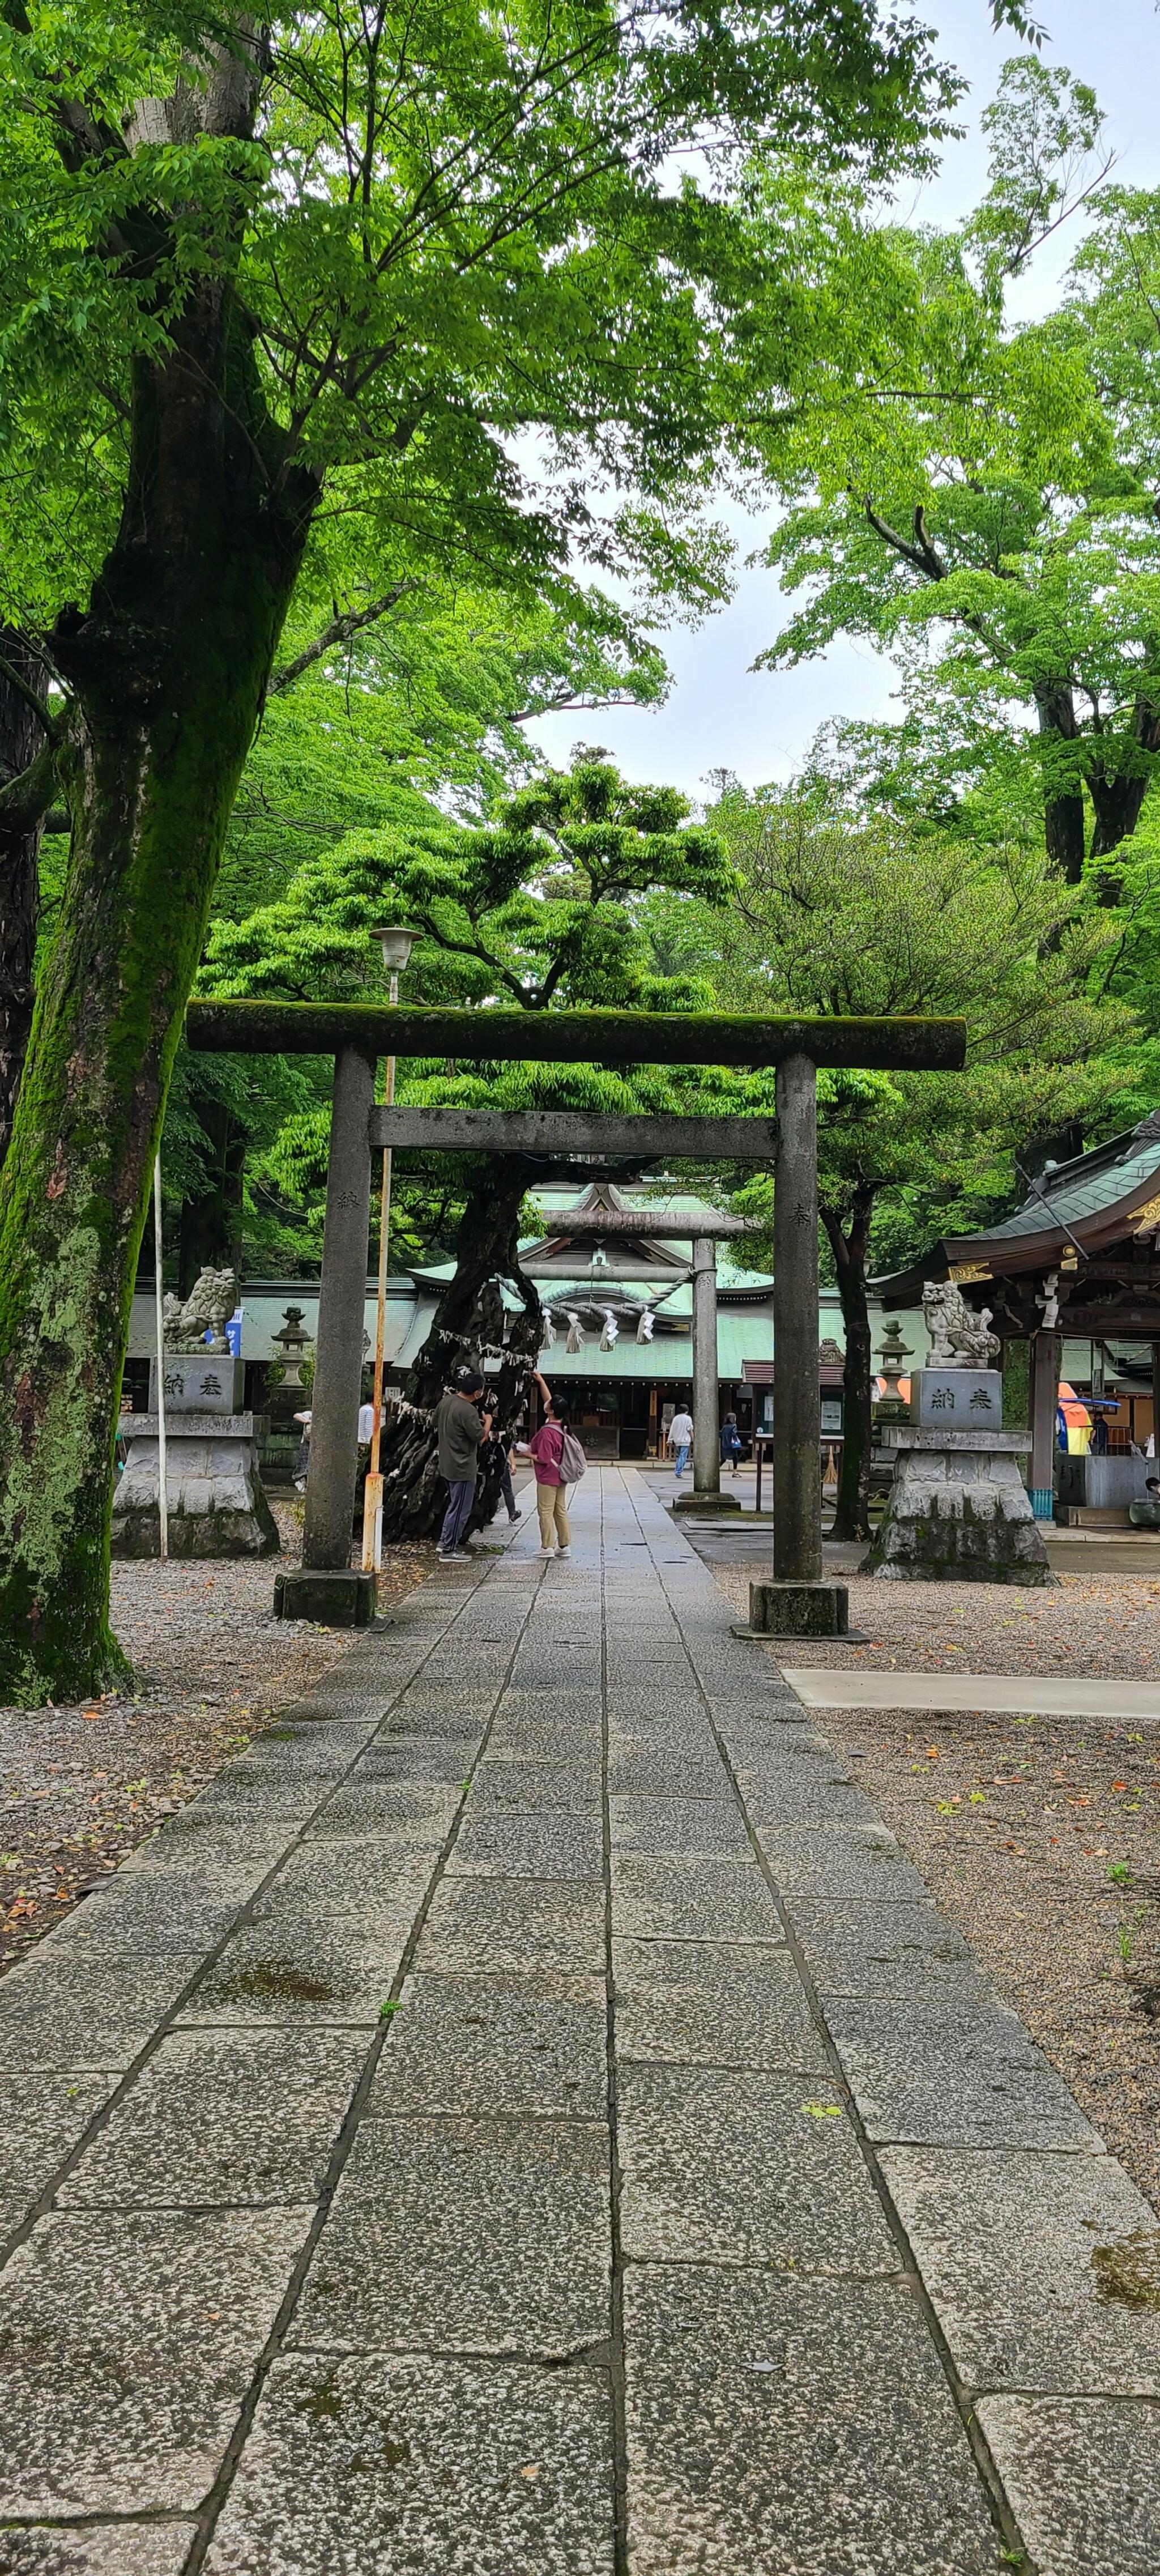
(705, 1503)
(334, 1596)
(799, 1610)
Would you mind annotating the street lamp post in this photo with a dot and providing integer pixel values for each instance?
(396, 944)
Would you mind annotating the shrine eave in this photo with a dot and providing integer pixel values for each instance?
(1102, 1206)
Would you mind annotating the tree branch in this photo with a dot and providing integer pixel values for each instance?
(339, 631)
(24, 799)
(40, 707)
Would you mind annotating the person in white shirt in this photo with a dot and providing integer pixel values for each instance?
(366, 1425)
(681, 1440)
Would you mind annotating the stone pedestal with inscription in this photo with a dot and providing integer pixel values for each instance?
(216, 1504)
(959, 1511)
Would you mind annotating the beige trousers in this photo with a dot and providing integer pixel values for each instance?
(552, 1506)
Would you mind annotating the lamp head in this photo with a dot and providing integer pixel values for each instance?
(396, 944)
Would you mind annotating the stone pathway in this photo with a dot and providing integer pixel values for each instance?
(527, 2119)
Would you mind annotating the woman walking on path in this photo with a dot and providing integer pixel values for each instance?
(730, 1442)
(545, 1451)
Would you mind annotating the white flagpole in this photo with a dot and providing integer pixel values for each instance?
(162, 1479)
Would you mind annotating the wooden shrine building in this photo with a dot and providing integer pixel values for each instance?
(1073, 1277)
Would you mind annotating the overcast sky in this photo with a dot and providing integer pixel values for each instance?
(720, 713)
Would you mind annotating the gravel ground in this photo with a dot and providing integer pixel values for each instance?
(80, 1786)
(1038, 1836)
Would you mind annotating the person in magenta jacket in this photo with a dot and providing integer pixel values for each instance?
(551, 1492)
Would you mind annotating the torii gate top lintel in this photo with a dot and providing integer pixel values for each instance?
(575, 1037)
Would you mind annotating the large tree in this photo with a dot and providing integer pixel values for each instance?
(265, 279)
(976, 495)
(837, 917)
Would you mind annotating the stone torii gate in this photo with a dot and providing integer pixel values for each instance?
(796, 1602)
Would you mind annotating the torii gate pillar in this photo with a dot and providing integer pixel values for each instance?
(326, 1586)
(797, 1603)
(706, 1495)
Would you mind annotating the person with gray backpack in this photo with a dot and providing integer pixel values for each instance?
(559, 1461)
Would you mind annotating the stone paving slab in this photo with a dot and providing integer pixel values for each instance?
(41, 2118)
(1028, 1694)
(508, 1783)
(953, 2074)
(97, 2549)
(540, 1843)
(663, 1900)
(784, 1794)
(301, 1972)
(638, 1769)
(485, 1925)
(699, 2003)
(471, 2044)
(778, 2426)
(60, 2008)
(224, 2118)
(437, 1759)
(696, 1828)
(720, 2167)
(1044, 2270)
(906, 1952)
(404, 2467)
(860, 1860)
(479, 2235)
(128, 2343)
(124, 1915)
(1083, 2475)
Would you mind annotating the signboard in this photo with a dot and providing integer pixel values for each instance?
(951, 1399)
(212, 1384)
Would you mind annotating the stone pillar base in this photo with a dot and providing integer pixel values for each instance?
(705, 1503)
(799, 1610)
(959, 1512)
(334, 1596)
(213, 1489)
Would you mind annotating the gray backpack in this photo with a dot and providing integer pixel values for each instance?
(572, 1459)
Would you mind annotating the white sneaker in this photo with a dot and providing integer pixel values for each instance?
(547, 1551)
(563, 1551)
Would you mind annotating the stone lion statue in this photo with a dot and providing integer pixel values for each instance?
(210, 1303)
(958, 1338)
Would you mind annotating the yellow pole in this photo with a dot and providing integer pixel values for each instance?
(372, 1544)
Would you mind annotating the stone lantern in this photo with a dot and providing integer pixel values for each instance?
(293, 1342)
(893, 1355)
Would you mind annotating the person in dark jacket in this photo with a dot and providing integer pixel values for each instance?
(461, 1432)
(730, 1442)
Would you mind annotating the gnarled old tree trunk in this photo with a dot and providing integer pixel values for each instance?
(468, 1326)
(167, 668)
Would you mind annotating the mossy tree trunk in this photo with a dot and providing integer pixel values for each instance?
(167, 670)
(468, 1325)
(849, 1246)
(21, 736)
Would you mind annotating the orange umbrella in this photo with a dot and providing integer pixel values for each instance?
(1076, 1419)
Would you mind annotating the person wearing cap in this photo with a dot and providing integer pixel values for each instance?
(460, 1431)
